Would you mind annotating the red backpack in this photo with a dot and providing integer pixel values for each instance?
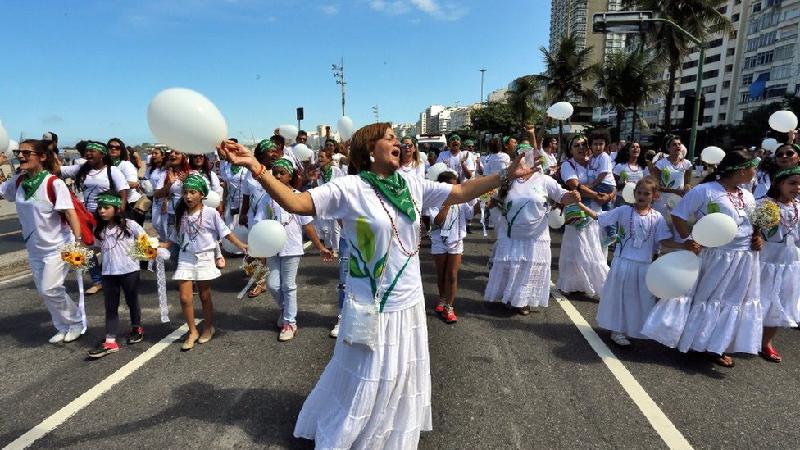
(85, 217)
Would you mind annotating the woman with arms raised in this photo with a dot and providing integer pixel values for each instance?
(374, 396)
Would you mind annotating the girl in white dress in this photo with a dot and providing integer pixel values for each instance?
(675, 174)
(48, 222)
(199, 228)
(780, 262)
(447, 246)
(374, 397)
(169, 190)
(521, 261)
(156, 173)
(722, 313)
(631, 166)
(582, 262)
(625, 301)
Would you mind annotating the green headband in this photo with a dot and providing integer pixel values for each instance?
(469, 142)
(523, 146)
(109, 199)
(455, 138)
(745, 165)
(283, 163)
(197, 183)
(786, 173)
(265, 145)
(98, 147)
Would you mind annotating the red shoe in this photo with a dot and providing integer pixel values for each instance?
(449, 315)
(770, 354)
(439, 308)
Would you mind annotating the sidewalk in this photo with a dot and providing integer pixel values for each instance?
(7, 209)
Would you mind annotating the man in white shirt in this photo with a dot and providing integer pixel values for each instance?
(462, 163)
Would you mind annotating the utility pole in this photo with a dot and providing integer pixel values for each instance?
(375, 112)
(338, 75)
(483, 71)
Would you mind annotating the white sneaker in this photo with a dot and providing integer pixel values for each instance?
(58, 337)
(288, 332)
(620, 339)
(335, 330)
(72, 335)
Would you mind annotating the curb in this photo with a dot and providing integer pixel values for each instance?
(13, 264)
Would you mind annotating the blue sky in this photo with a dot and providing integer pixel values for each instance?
(88, 69)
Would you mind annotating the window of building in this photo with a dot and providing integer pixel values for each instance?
(710, 74)
(707, 119)
(689, 65)
(756, 7)
(744, 97)
(735, 18)
(729, 68)
(723, 101)
(710, 89)
(688, 78)
(730, 52)
(712, 58)
(784, 52)
(726, 84)
(722, 116)
(747, 80)
(722, 9)
(715, 43)
(711, 103)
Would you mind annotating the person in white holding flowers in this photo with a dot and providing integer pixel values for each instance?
(722, 313)
(44, 207)
(375, 392)
(780, 259)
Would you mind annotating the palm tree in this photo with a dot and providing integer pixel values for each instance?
(643, 81)
(565, 72)
(701, 18)
(521, 97)
(611, 78)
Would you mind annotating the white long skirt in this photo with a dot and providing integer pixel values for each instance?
(625, 301)
(374, 400)
(582, 265)
(721, 314)
(780, 285)
(520, 274)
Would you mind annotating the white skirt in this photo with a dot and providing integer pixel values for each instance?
(439, 247)
(196, 267)
(625, 301)
(582, 265)
(780, 285)
(520, 274)
(374, 400)
(721, 314)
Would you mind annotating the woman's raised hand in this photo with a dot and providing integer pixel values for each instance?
(519, 169)
(238, 154)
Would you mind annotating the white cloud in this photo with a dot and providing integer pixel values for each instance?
(330, 9)
(432, 8)
(395, 7)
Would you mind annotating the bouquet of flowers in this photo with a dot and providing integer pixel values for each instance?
(487, 196)
(144, 248)
(76, 256)
(255, 269)
(766, 215)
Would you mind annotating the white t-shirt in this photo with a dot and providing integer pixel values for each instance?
(368, 229)
(199, 232)
(156, 177)
(601, 164)
(115, 247)
(454, 162)
(417, 171)
(454, 226)
(630, 174)
(787, 232)
(234, 184)
(707, 198)
(671, 176)
(495, 162)
(571, 170)
(268, 209)
(43, 230)
(639, 236)
(176, 189)
(527, 207)
(131, 175)
(761, 184)
(96, 182)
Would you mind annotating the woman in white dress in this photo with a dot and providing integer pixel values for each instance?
(722, 313)
(786, 157)
(582, 263)
(631, 166)
(155, 173)
(410, 163)
(675, 174)
(520, 273)
(374, 397)
(121, 158)
(41, 199)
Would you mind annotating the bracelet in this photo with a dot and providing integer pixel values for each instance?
(261, 172)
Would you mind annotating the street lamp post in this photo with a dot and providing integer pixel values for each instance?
(338, 75)
(638, 22)
(483, 71)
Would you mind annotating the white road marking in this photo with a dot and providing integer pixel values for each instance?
(21, 276)
(10, 233)
(51, 423)
(658, 420)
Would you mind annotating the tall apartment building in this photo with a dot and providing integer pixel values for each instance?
(429, 119)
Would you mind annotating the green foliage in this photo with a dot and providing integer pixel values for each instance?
(521, 99)
(495, 118)
(566, 70)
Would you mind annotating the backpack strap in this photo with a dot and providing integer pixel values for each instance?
(111, 186)
(51, 190)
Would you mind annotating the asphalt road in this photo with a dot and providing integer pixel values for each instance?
(499, 380)
(10, 235)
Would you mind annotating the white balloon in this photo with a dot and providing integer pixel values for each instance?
(714, 230)
(555, 219)
(266, 239)
(770, 144)
(423, 157)
(712, 155)
(673, 274)
(186, 121)
(289, 132)
(12, 145)
(345, 127)
(302, 152)
(783, 121)
(4, 141)
(628, 193)
(147, 187)
(240, 231)
(212, 200)
(435, 170)
(560, 110)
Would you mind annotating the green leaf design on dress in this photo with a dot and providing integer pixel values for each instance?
(379, 267)
(355, 268)
(771, 232)
(665, 177)
(712, 208)
(621, 231)
(365, 238)
(623, 176)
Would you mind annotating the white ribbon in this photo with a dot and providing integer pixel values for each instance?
(259, 273)
(161, 282)
(81, 296)
(483, 218)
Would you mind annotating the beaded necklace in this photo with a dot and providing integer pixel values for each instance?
(394, 227)
(737, 200)
(109, 236)
(275, 215)
(790, 223)
(192, 226)
(647, 226)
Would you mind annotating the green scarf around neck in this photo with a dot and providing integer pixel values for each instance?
(31, 183)
(327, 173)
(394, 189)
(235, 169)
(115, 161)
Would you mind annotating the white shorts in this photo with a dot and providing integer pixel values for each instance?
(196, 267)
(439, 247)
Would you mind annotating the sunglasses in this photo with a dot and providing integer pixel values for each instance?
(117, 147)
(24, 153)
(784, 154)
(580, 145)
